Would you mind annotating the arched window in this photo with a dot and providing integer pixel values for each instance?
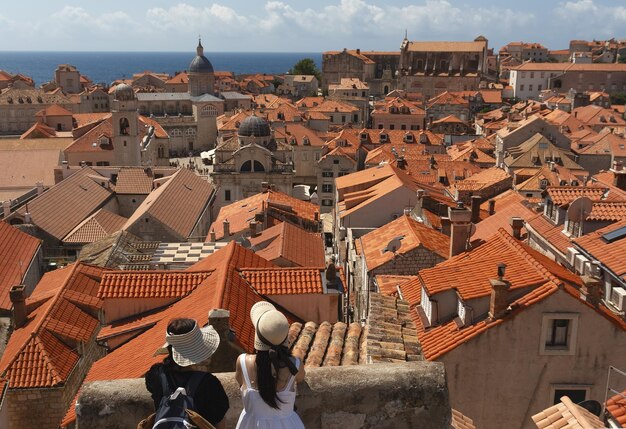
(386, 90)
(258, 167)
(208, 110)
(176, 132)
(124, 126)
(161, 152)
(246, 166)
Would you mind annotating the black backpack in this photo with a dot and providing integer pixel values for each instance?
(172, 413)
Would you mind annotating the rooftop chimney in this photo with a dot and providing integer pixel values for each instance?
(226, 228)
(220, 320)
(18, 299)
(499, 302)
(39, 188)
(6, 208)
(492, 207)
(212, 236)
(460, 219)
(252, 225)
(476, 199)
(619, 174)
(517, 223)
(591, 290)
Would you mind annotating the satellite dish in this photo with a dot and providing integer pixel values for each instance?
(593, 406)
(394, 244)
(579, 209)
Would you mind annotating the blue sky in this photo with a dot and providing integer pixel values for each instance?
(298, 25)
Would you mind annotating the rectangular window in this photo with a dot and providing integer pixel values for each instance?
(342, 173)
(521, 87)
(227, 195)
(576, 392)
(392, 126)
(539, 87)
(327, 174)
(343, 118)
(543, 74)
(327, 202)
(530, 88)
(558, 334)
(532, 75)
(317, 156)
(327, 187)
(335, 161)
(355, 118)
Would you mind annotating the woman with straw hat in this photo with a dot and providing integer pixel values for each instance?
(267, 379)
(189, 349)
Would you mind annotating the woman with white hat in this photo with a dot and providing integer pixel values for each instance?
(189, 349)
(267, 379)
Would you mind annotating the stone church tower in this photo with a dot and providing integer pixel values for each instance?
(125, 120)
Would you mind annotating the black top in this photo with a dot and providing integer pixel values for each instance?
(210, 400)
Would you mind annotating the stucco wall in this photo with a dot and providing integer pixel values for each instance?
(500, 378)
(317, 308)
(398, 396)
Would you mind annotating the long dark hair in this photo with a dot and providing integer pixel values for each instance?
(278, 357)
(177, 327)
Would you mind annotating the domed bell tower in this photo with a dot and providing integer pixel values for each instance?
(201, 74)
(125, 122)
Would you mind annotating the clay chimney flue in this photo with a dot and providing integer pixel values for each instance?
(226, 226)
(499, 301)
(492, 207)
(476, 199)
(460, 228)
(17, 294)
(517, 223)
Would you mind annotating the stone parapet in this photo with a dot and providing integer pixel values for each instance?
(404, 395)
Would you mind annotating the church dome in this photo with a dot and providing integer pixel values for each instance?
(124, 92)
(200, 64)
(253, 126)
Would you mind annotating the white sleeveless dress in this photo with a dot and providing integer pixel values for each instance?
(257, 414)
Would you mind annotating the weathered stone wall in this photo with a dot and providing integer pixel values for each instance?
(45, 408)
(399, 396)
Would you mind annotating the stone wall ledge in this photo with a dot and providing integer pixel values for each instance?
(398, 396)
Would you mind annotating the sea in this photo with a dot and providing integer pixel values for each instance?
(105, 67)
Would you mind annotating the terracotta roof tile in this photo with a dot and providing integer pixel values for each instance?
(610, 254)
(290, 242)
(141, 284)
(513, 205)
(616, 406)
(34, 356)
(388, 284)
(550, 232)
(566, 415)
(17, 251)
(563, 195)
(285, 281)
(413, 235)
(96, 227)
(54, 110)
(608, 211)
(272, 203)
(483, 179)
(178, 203)
(133, 181)
(49, 211)
(460, 421)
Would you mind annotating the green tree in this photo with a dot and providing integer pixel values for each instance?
(306, 66)
(618, 98)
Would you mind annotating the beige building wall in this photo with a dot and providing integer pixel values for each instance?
(119, 308)
(501, 377)
(316, 308)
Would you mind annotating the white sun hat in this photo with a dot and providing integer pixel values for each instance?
(270, 325)
(192, 347)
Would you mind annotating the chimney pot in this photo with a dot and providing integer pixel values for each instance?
(492, 207)
(253, 228)
(591, 290)
(461, 226)
(17, 294)
(39, 188)
(499, 301)
(517, 223)
(476, 199)
(226, 226)
(212, 236)
(6, 208)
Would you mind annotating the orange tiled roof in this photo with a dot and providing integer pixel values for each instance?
(566, 415)
(564, 195)
(178, 203)
(610, 254)
(388, 283)
(483, 179)
(290, 242)
(65, 307)
(96, 227)
(17, 250)
(331, 106)
(224, 288)
(54, 110)
(50, 210)
(285, 281)
(133, 181)
(39, 130)
(460, 421)
(142, 284)
(608, 211)
(413, 235)
(240, 213)
(447, 98)
(616, 406)
(512, 205)
(181, 77)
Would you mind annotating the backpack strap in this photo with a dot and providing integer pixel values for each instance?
(194, 382)
(165, 384)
